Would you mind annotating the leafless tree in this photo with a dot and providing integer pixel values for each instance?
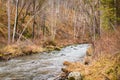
(8, 13)
(16, 21)
(33, 28)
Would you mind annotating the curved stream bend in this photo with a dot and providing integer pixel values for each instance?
(43, 66)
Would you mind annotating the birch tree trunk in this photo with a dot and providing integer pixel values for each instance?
(16, 21)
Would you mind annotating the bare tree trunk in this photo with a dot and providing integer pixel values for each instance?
(98, 19)
(33, 32)
(8, 12)
(23, 4)
(118, 12)
(16, 21)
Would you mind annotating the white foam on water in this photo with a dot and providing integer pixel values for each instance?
(41, 65)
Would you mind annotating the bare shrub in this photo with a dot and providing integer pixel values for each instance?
(109, 42)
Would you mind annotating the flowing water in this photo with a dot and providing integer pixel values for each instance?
(43, 66)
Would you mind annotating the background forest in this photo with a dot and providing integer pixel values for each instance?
(57, 19)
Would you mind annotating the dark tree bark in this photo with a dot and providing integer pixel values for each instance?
(118, 11)
(33, 32)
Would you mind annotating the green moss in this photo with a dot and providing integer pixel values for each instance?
(71, 78)
(109, 71)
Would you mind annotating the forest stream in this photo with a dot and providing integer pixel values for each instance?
(42, 66)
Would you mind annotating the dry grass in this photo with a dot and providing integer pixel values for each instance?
(104, 68)
(109, 43)
(15, 50)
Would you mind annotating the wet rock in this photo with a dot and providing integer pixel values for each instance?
(57, 48)
(65, 70)
(87, 60)
(75, 48)
(50, 48)
(62, 55)
(66, 63)
(63, 76)
(74, 76)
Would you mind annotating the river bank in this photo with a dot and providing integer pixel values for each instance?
(15, 50)
(29, 48)
(106, 67)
